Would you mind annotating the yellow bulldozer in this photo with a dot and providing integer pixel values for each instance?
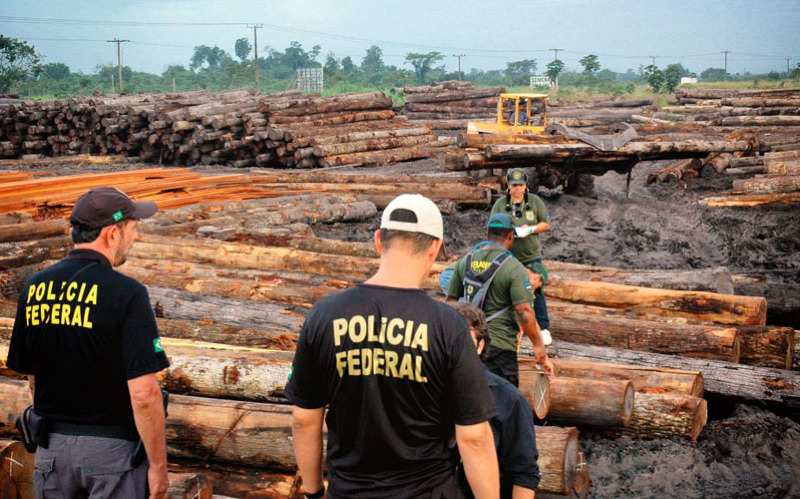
(527, 114)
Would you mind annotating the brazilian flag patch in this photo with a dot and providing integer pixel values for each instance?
(117, 216)
(157, 345)
(291, 370)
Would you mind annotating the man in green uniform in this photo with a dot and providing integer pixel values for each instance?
(489, 277)
(530, 218)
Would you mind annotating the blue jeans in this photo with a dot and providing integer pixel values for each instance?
(540, 309)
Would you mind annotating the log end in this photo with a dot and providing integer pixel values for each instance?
(627, 403)
(700, 419)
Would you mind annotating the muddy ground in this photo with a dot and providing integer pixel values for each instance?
(744, 451)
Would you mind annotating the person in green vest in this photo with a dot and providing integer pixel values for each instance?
(530, 218)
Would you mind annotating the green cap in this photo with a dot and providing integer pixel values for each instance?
(500, 221)
(516, 176)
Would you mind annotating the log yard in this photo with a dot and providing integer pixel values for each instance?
(261, 257)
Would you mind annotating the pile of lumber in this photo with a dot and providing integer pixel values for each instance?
(724, 107)
(776, 181)
(53, 197)
(449, 105)
(237, 128)
(598, 113)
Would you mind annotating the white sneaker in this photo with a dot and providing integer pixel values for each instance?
(547, 338)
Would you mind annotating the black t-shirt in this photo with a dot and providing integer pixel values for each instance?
(83, 329)
(399, 370)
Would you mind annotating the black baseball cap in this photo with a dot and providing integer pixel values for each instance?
(103, 206)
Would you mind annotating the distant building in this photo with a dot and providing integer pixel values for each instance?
(541, 81)
(688, 80)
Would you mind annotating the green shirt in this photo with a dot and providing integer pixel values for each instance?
(510, 287)
(531, 213)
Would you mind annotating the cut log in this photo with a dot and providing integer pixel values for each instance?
(697, 305)
(238, 482)
(675, 171)
(535, 387)
(747, 200)
(189, 486)
(16, 471)
(772, 386)
(767, 185)
(368, 135)
(372, 145)
(277, 338)
(558, 458)
(383, 157)
(768, 347)
(173, 304)
(761, 121)
(455, 95)
(590, 402)
(647, 380)
(33, 230)
(664, 415)
(571, 323)
(224, 371)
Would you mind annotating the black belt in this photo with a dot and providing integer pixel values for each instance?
(90, 430)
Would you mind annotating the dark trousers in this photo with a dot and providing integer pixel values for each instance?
(503, 363)
(540, 309)
(88, 467)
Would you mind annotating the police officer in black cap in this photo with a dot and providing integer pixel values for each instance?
(86, 336)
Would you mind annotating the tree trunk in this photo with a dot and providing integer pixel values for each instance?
(644, 379)
(378, 158)
(665, 415)
(369, 135)
(695, 305)
(767, 185)
(327, 119)
(372, 145)
(675, 171)
(455, 95)
(590, 402)
(768, 347)
(16, 471)
(772, 386)
(238, 482)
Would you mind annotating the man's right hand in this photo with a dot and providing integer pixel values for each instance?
(158, 481)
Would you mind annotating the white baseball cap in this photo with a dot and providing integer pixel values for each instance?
(428, 218)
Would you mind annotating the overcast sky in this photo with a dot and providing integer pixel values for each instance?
(759, 33)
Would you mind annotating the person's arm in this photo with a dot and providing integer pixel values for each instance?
(148, 414)
(527, 319)
(518, 492)
(541, 227)
(476, 446)
(307, 435)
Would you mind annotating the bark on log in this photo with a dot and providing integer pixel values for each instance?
(761, 121)
(16, 471)
(772, 386)
(173, 304)
(558, 458)
(697, 305)
(590, 402)
(644, 379)
(638, 149)
(767, 185)
(781, 156)
(367, 135)
(224, 371)
(378, 158)
(783, 168)
(372, 145)
(768, 347)
(456, 95)
(704, 342)
(33, 230)
(238, 482)
(748, 200)
(277, 338)
(665, 415)
(190, 486)
(675, 171)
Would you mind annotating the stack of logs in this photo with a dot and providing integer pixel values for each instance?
(776, 180)
(449, 105)
(237, 128)
(723, 107)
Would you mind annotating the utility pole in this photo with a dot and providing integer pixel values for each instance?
(725, 53)
(653, 60)
(119, 60)
(555, 58)
(459, 56)
(787, 66)
(256, 27)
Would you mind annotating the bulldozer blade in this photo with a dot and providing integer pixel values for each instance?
(600, 142)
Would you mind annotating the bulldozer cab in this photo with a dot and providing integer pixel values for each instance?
(522, 113)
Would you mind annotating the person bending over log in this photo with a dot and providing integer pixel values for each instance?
(530, 218)
(490, 278)
(398, 371)
(512, 426)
